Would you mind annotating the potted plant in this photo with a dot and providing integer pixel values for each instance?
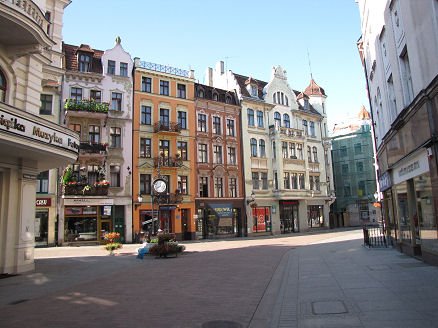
(167, 245)
(112, 239)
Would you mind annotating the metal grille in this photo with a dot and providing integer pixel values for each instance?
(164, 69)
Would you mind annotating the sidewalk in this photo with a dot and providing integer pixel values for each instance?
(317, 280)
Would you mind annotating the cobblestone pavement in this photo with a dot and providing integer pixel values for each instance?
(325, 279)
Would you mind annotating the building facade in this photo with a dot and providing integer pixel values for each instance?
(399, 48)
(284, 141)
(96, 195)
(220, 190)
(354, 172)
(164, 150)
(31, 139)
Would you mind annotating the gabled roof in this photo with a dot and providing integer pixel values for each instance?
(71, 59)
(314, 89)
(243, 81)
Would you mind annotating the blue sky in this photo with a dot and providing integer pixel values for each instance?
(250, 36)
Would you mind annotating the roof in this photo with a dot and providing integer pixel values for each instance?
(209, 91)
(71, 59)
(363, 114)
(314, 89)
(244, 80)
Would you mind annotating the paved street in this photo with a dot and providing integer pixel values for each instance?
(326, 279)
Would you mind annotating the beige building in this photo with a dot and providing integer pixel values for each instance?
(31, 141)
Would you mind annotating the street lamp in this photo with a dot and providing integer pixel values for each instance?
(140, 200)
(252, 198)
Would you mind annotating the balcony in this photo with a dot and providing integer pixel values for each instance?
(83, 190)
(286, 132)
(86, 148)
(23, 23)
(86, 105)
(170, 127)
(167, 162)
(163, 69)
(171, 198)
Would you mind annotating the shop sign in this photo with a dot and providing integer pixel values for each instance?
(411, 168)
(385, 181)
(21, 126)
(88, 201)
(40, 202)
(290, 202)
(222, 210)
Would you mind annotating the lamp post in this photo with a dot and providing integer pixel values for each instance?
(139, 201)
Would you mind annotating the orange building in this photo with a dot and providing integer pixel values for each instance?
(163, 149)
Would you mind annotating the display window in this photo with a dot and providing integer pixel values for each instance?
(41, 227)
(261, 219)
(401, 196)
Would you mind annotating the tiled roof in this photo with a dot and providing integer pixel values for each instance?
(363, 114)
(71, 61)
(314, 89)
(208, 93)
(244, 80)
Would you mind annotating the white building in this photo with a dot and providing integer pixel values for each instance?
(287, 166)
(399, 50)
(98, 86)
(31, 141)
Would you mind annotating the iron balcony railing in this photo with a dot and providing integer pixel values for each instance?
(164, 69)
(167, 126)
(92, 148)
(167, 162)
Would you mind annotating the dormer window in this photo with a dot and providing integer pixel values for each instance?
(84, 63)
(228, 99)
(200, 93)
(215, 96)
(253, 90)
(306, 103)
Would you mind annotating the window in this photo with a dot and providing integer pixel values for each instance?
(315, 155)
(146, 115)
(344, 168)
(274, 149)
(250, 117)
(217, 154)
(292, 150)
(145, 184)
(115, 176)
(202, 153)
(392, 100)
(294, 181)
(146, 84)
(203, 187)
(300, 151)
(182, 119)
(253, 144)
(164, 88)
(232, 187)
(164, 151)
(46, 104)
(358, 148)
(218, 192)
(96, 95)
(230, 128)
(286, 121)
(359, 166)
(286, 180)
(182, 150)
(312, 128)
(260, 119)
(228, 99)
(262, 148)
(75, 127)
(202, 123)
(216, 125)
(43, 182)
(111, 67)
(92, 174)
(215, 96)
(116, 137)
(200, 93)
(306, 132)
(254, 92)
(408, 90)
(317, 185)
(145, 148)
(164, 117)
(182, 184)
(116, 101)
(275, 180)
(2, 87)
(301, 180)
(264, 177)
(255, 181)
(232, 156)
(76, 94)
(84, 63)
(123, 69)
(306, 103)
(274, 98)
(361, 189)
(344, 151)
(277, 119)
(309, 154)
(311, 181)
(94, 133)
(181, 91)
(347, 190)
(284, 150)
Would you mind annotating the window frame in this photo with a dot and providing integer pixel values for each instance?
(230, 128)
(145, 187)
(164, 88)
(146, 115)
(145, 148)
(182, 119)
(181, 91)
(111, 69)
(45, 103)
(250, 114)
(115, 172)
(123, 69)
(116, 101)
(116, 137)
(202, 153)
(146, 84)
(202, 122)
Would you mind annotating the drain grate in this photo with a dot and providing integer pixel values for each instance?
(221, 324)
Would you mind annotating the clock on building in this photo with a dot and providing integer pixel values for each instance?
(160, 185)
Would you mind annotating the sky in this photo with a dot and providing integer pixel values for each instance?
(249, 36)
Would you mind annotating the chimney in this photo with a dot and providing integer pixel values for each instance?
(220, 67)
(209, 76)
(192, 74)
(136, 62)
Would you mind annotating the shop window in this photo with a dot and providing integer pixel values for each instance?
(145, 148)
(111, 67)
(261, 219)
(80, 228)
(116, 137)
(182, 184)
(315, 216)
(146, 115)
(116, 101)
(203, 187)
(46, 104)
(145, 184)
(182, 150)
(115, 175)
(41, 227)
(43, 182)
(146, 84)
(182, 120)
(123, 69)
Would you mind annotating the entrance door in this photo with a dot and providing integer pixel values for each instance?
(186, 235)
(105, 227)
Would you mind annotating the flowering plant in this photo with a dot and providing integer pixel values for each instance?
(113, 241)
(85, 189)
(73, 183)
(111, 236)
(103, 183)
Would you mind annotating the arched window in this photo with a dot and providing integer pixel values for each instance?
(315, 155)
(286, 121)
(228, 99)
(253, 143)
(262, 148)
(215, 96)
(273, 98)
(277, 118)
(2, 87)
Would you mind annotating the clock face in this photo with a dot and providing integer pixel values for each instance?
(160, 185)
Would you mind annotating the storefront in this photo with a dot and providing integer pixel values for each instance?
(45, 225)
(289, 221)
(261, 219)
(315, 216)
(219, 219)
